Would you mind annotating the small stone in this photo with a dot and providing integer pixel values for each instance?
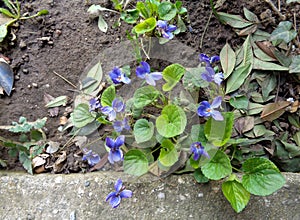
(182, 197)
(22, 45)
(50, 42)
(17, 77)
(34, 85)
(25, 71)
(73, 215)
(29, 86)
(200, 195)
(161, 195)
(87, 183)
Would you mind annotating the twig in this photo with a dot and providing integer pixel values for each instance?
(205, 29)
(282, 17)
(65, 79)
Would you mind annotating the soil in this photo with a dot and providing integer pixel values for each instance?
(66, 40)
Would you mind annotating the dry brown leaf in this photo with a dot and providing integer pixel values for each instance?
(274, 110)
(267, 47)
(294, 106)
(244, 124)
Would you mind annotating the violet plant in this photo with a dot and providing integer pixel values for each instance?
(144, 141)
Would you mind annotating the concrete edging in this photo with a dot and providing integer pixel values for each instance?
(81, 196)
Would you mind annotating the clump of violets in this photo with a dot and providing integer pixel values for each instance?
(206, 109)
(117, 76)
(120, 193)
(115, 153)
(143, 72)
(117, 106)
(91, 157)
(94, 104)
(197, 149)
(165, 29)
(209, 74)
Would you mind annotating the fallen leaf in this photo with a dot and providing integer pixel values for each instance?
(267, 47)
(101, 163)
(53, 112)
(244, 124)
(273, 111)
(52, 147)
(80, 141)
(294, 107)
(60, 162)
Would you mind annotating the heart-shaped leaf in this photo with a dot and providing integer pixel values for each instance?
(172, 74)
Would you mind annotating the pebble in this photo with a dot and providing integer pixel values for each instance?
(161, 195)
(25, 71)
(35, 85)
(87, 183)
(22, 45)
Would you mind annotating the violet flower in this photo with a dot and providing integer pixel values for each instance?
(120, 125)
(165, 29)
(94, 104)
(143, 72)
(209, 75)
(205, 109)
(117, 107)
(91, 157)
(117, 76)
(120, 193)
(197, 149)
(208, 60)
(115, 153)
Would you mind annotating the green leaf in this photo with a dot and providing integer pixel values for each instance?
(240, 102)
(143, 130)
(247, 51)
(135, 163)
(166, 11)
(219, 132)
(168, 154)
(26, 162)
(218, 167)
(81, 115)
(102, 25)
(58, 101)
(263, 65)
(192, 79)
(130, 16)
(295, 65)
(237, 78)
(199, 176)
(296, 137)
(197, 134)
(108, 95)
(171, 122)
(95, 73)
(145, 96)
(235, 193)
(250, 15)
(228, 58)
(255, 108)
(284, 32)
(172, 74)
(261, 177)
(145, 26)
(292, 1)
(3, 32)
(235, 21)
(7, 13)
(43, 12)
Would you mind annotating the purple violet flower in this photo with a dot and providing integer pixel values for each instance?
(117, 76)
(208, 60)
(209, 75)
(120, 125)
(205, 109)
(197, 149)
(117, 107)
(91, 157)
(143, 72)
(165, 29)
(115, 153)
(94, 104)
(120, 193)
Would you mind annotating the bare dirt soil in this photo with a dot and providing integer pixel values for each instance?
(66, 40)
